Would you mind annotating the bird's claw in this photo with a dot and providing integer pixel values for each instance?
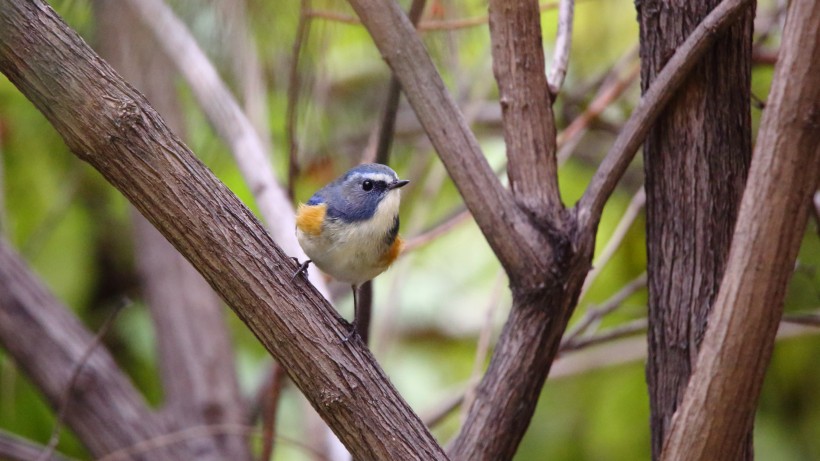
(302, 269)
(354, 330)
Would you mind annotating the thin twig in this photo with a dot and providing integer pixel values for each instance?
(632, 210)
(594, 314)
(621, 331)
(270, 405)
(563, 43)
(294, 84)
(450, 222)
(388, 125)
(65, 397)
(195, 432)
(433, 417)
(606, 95)
(15, 448)
(634, 132)
(809, 318)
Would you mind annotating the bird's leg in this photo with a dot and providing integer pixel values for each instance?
(354, 324)
(362, 307)
(302, 269)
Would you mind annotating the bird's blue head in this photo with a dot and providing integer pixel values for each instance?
(357, 194)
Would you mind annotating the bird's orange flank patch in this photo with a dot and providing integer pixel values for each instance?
(309, 218)
(394, 251)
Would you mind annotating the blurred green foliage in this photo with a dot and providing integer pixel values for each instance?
(74, 230)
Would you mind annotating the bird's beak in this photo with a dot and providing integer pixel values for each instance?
(398, 184)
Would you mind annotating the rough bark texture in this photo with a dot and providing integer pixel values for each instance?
(529, 128)
(719, 404)
(696, 159)
(193, 345)
(108, 124)
(47, 342)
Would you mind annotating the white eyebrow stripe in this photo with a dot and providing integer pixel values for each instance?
(375, 177)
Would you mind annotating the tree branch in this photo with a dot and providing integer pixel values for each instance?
(719, 403)
(111, 126)
(13, 448)
(47, 342)
(526, 108)
(634, 132)
(563, 44)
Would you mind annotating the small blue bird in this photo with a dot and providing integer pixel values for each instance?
(350, 228)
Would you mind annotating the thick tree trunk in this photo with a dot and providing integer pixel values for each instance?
(720, 401)
(696, 159)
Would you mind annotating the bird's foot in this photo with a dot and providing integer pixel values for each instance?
(353, 331)
(302, 269)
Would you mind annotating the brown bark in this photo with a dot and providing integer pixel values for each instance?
(696, 158)
(546, 253)
(526, 108)
(719, 403)
(13, 448)
(195, 354)
(47, 343)
(111, 126)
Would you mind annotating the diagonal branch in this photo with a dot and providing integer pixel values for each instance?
(14, 448)
(634, 132)
(493, 207)
(529, 127)
(47, 342)
(105, 122)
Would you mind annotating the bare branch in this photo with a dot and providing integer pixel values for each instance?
(108, 124)
(65, 397)
(391, 105)
(529, 128)
(47, 342)
(718, 406)
(632, 135)
(808, 319)
(606, 95)
(593, 315)
(13, 448)
(270, 404)
(563, 43)
(447, 224)
(621, 331)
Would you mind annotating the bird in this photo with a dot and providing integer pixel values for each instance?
(350, 228)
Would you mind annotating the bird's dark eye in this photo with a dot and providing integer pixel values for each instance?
(367, 185)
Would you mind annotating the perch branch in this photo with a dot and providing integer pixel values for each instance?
(106, 123)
